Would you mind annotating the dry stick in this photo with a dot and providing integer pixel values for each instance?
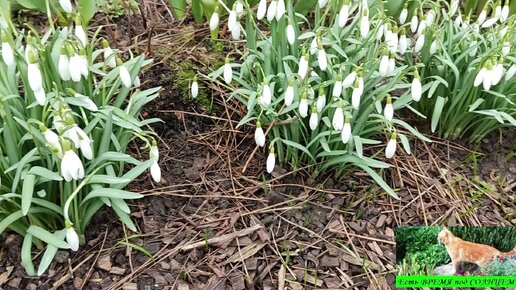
(67, 276)
(257, 147)
(90, 271)
(223, 238)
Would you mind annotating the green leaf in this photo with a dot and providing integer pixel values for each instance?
(298, 146)
(111, 193)
(178, 8)
(8, 220)
(47, 237)
(405, 142)
(26, 255)
(87, 9)
(50, 253)
(45, 173)
(358, 146)
(108, 179)
(124, 217)
(27, 192)
(379, 180)
(197, 11)
(438, 109)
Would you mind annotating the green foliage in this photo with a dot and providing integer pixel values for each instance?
(411, 266)
(501, 238)
(67, 119)
(117, 8)
(500, 266)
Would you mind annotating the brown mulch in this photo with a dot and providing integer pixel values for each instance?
(211, 226)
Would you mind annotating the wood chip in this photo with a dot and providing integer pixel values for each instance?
(117, 271)
(245, 253)
(104, 263)
(130, 286)
(281, 277)
(381, 221)
(5, 275)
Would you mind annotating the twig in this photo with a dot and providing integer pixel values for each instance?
(223, 238)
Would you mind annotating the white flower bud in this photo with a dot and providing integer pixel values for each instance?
(66, 5)
(271, 161)
(314, 120)
(388, 111)
(228, 72)
(358, 90)
(289, 93)
(480, 77)
(510, 72)
(125, 77)
(194, 89)
(214, 20)
(72, 239)
(71, 166)
(271, 11)
(280, 9)
(262, 9)
(7, 53)
(414, 23)
(63, 66)
(338, 119)
(291, 34)
(403, 15)
(416, 89)
(303, 66)
(232, 20)
(343, 15)
(266, 95)
(346, 131)
(322, 3)
(391, 147)
(321, 58)
(81, 35)
(303, 107)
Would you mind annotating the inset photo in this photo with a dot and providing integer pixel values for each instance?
(455, 251)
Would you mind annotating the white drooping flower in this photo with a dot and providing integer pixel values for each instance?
(303, 106)
(194, 89)
(88, 103)
(313, 45)
(235, 33)
(392, 42)
(291, 33)
(349, 80)
(358, 90)
(338, 118)
(458, 20)
(433, 47)
(506, 48)
(322, 3)
(416, 88)
(490, 22)
(41, 96)
(259, 136)
(392, 65)
(488, 77)
(214, 19)
(337, 87)
(271, 11)
(321, 59)
(72, 239)
(403, 14)
(34, 76)
(289, 93)
(503, 32)
(80, 139)
(84, 63)
(454, 6)
(482, 17)
(344, 14)
(422, 26)
(266, 99)
(402, 43)
(66, 5)
(320, 103)
(262, 9)
(280, 9)
(380, 32)
(52, 140)
(510, 72)
(124, 75)
(63, 66)
(498, 11)
(384, 65)
(346, 131)
(155, 169)
(71, 166)
(505, 11)
(75, 64)
(414, 22)
(364, 22)
(314, 119)
(420, 42)
(228, 72)
(81, 34)
(271, 160)
(391, 146)
(388, 111)
(7, 51)
(479, 79)
(303, 66)
(232, 20)
(430, 18)
(497, 73)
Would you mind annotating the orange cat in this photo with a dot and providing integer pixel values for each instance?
(464, 251)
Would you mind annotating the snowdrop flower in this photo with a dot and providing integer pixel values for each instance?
(271, 11)
(262, 9)
(155, 169)
(480, 76)
(320, 103)
(72, 239)
(433, 47)
(338, 118)
(506, 47)
(239, 7)
(232, 19)
(391, 146)
(266, 99)
(228, 72)
(80, 34)
(271, 160)
(402, 43)
(358, 90)
(311, 92)
(84, 63)
(503, 31)
(7, 51)
(344, 14)
(364, 22)
(36, 81)
(303, 65)
(498, 11)
(458, 20)
(490, 22)
(66, 5)
(235, 33)
(430, 17)
(346, 131)
(124, 75)
(291, 33)
(420, 42)
(63, 65)
(303, 106)
(89, 104)
(321, 58)
(80, 140)
(488, 77)
(388, 111)
(280, 9)
(75, 64)
(322, 3)
(482, 17)
(313, 44)
(416, 88)
(40, 96)
(422, 26)
(392, 42)
(505, 11)
(71, 165)
(414, 22)
(259, 136)
(454, 6)
(392, 65)
(137, 83)
(380, 33)
(510, 72)
(349, 80)
(384, 65)
(403, 14)
(289, 93)
(214, 19)
(52, 140)
(497, 73)
(337, 87)
(314, 119)
(194, 89)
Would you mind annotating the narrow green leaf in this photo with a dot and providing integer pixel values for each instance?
(438, 109)
(27, 192)
(47, 237)
(26, 255)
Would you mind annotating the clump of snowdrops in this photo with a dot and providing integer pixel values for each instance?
(69, 108)
(323, 91)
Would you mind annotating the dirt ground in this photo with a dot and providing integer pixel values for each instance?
(210, 225)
